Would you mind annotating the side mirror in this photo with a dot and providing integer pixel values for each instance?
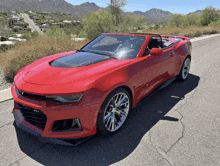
(156, 51)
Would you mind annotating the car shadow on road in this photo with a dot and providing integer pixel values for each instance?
(101, 150)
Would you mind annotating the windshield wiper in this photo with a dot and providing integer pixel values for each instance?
(103, 53)
(80, 50)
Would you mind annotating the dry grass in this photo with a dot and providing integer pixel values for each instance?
(192, 31)
(24, 53)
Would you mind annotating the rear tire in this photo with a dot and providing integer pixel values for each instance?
(114, 112)
(184, 72)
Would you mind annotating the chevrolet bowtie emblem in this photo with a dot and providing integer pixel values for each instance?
(36, 111)
(22, 93)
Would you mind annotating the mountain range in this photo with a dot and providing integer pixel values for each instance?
(62, 6)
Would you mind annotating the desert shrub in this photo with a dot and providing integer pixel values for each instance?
(82, 34)
(193, 19)
(26, 52)
(11, 34)
(188, 35)
(17, 29)
(3, 38)
(5, 47)
(198, 33)
(25, 25)
(214, 31)
(56, 32)
(175, 33)
(100, 22)
(34, 34)
(27, 29)
(26, 36)
(215, 22)
(178, 20)
(209, 14)
(206, 32)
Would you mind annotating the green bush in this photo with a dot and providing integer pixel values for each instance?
(178, 20)
(82, 34)
(209, 14)
(25, 25)
(215, 22)
(26, 36)
(27, 29)
(11, 34)
(56, 32)
(193, 19)
(34, 34)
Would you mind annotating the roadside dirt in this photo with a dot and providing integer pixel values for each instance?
(3, 83)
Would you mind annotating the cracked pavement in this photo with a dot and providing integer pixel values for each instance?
(179, 125)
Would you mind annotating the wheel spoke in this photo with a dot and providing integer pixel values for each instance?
(113, 122)
(107, 116)
(119, 104)
(110, 124)
(106, 124)
(119, 100)
(115, 102)
(124, 103)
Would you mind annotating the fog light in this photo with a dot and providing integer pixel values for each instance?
(67, 125)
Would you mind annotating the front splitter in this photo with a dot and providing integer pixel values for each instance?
(66, 142)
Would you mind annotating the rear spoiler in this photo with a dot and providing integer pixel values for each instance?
(181, 37)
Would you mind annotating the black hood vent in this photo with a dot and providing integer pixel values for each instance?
(78, 60)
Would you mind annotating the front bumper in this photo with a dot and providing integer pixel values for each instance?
(55, 112)
(18, 117)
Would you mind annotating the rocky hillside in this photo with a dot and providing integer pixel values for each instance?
(47, 5)
(155, 14)
(80, 10)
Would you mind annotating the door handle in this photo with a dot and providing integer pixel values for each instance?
(171, 54)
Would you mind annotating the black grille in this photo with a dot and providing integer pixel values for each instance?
(33, 116)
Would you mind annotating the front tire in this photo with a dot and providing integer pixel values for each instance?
(184, 72)
(114, 111)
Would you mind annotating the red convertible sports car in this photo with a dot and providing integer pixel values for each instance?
(76, 94)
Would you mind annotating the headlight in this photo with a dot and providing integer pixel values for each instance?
(65, 99)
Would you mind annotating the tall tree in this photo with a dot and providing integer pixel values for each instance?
(208, 15)
(115, 7)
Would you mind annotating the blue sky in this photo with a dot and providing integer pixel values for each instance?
(173, 6)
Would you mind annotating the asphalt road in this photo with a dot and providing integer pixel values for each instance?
(31, 23)
(180, 125)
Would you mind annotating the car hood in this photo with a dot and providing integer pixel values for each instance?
(69, 68)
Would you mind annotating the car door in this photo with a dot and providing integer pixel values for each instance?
(145, 75)
(150, 71)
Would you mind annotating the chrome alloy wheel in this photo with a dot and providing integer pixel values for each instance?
(116, 111)
(186, 68)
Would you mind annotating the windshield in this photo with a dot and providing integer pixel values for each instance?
(116, 46)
